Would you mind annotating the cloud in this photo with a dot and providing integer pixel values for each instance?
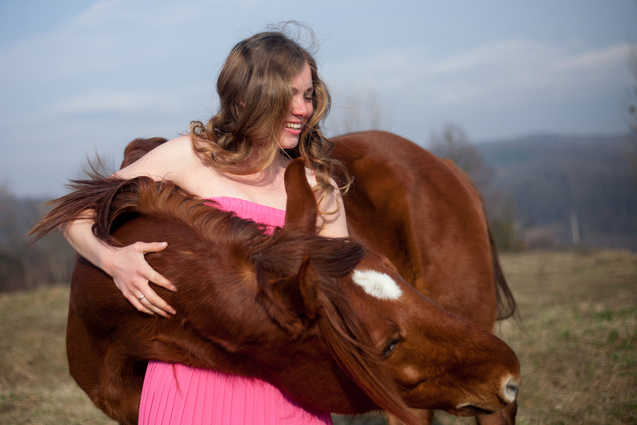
(513, 71)
(108, 101)
(510, 87)
(110, 38)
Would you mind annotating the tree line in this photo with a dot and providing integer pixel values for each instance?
(24, 265)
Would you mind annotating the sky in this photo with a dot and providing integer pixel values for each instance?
(83, 78)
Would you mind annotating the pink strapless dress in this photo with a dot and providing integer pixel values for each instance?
(174, 394)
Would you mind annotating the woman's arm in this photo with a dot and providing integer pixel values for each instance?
(126, 265)
(333, 225)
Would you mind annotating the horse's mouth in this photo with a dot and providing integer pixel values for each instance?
(470, 410)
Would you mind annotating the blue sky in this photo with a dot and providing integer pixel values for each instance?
(80, 77)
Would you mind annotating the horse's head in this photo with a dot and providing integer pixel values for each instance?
(386, 336)
(303, 282)
(437, 360)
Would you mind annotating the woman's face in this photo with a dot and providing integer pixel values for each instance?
(301, 108)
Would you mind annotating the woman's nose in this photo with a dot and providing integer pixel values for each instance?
(301, 107)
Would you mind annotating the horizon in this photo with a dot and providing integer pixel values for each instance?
(110, 162)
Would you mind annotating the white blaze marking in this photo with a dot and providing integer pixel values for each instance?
(377, 284)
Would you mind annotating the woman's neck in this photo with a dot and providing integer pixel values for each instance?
(269, 176)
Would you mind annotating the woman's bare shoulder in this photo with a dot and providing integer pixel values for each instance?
(180, 145)
(166, 161)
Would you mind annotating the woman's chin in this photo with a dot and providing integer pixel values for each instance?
(289, 141)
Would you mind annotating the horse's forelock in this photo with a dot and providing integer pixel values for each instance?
(352, 347)
(331, 257)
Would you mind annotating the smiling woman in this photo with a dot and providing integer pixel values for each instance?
(300, 110)
(288, 100)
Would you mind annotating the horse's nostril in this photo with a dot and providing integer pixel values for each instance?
(510, 390)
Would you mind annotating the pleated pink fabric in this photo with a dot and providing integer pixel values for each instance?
(174, 394)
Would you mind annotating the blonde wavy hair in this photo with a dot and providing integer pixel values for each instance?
(254, 88)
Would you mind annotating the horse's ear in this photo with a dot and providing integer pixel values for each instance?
(301, 208)
(308, 287)
(297, 296)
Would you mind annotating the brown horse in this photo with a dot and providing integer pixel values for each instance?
(252, 304)
(425, 215)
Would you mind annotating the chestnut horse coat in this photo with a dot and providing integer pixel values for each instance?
(426, 216)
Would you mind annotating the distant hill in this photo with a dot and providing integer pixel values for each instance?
(568, 188)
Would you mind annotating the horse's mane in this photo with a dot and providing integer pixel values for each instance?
(352, 348)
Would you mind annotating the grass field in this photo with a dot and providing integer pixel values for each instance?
(578, 345)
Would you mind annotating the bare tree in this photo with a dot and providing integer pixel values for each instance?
(452, 143)
(632, 109)
(24, 266)
(356, 112)
(9, 233)
(11, 266)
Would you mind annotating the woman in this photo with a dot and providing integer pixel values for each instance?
(272, 101)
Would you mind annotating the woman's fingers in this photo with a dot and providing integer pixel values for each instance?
(155, 277)
(155, 303)
(152, 246)
(160, 280)
(146, 299)
(138, 305)
(132, 275)
(152, 304)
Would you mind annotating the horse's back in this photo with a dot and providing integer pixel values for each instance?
(425, 216)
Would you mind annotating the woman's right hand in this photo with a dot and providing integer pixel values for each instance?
(132, 275)
(126, 265)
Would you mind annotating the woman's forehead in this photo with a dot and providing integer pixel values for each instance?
(303, 80)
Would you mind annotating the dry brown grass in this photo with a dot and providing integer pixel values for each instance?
(578, 346)
(35, 387)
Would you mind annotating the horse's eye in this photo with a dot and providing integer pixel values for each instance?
(389, 348)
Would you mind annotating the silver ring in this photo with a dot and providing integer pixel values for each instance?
(141, 297)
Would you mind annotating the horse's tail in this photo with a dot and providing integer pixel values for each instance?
(506, 305)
